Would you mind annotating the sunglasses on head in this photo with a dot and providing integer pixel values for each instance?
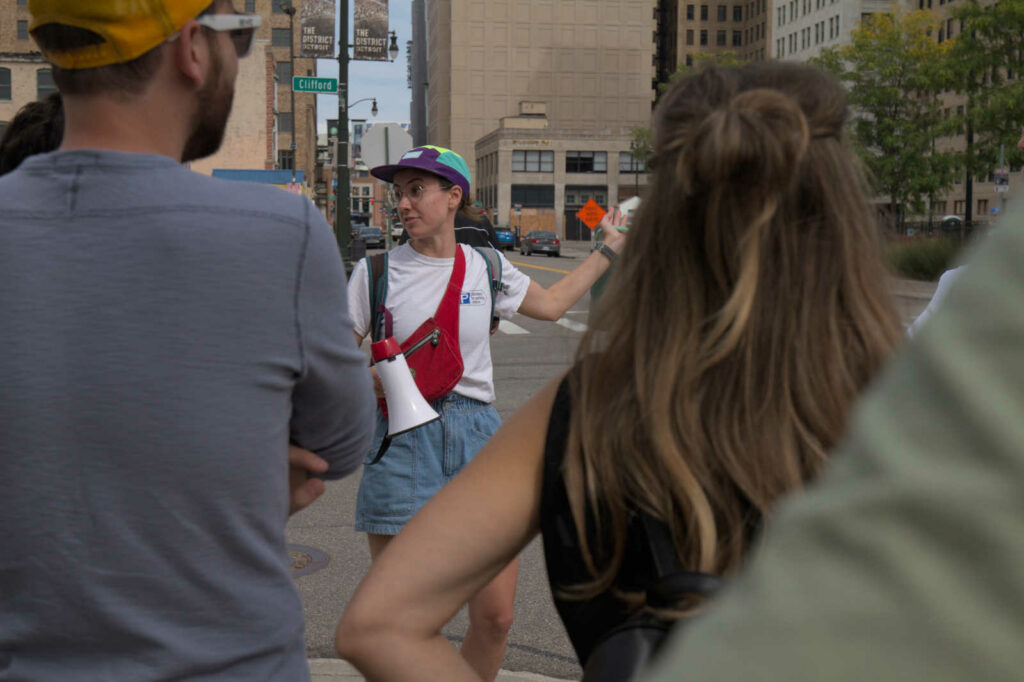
(241, 28)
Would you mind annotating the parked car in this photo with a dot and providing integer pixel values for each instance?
(539, 241)
(951, 223)
(506, 238)
(373, 237)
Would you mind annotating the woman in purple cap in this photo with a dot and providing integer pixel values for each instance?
(430, 186)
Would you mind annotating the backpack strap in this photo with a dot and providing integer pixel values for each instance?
(493, 262)
(377, 272)
(671, 581)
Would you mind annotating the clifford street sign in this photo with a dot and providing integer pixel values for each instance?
(310, 84)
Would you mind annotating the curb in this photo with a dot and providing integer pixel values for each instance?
(337, 670)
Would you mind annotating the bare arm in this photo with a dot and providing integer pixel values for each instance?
(550, 304)
(453, 547)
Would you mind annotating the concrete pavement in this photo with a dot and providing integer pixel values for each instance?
(336, 670)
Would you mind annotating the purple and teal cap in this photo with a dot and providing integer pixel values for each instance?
(436, 160)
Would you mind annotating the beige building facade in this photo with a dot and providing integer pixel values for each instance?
(534, 176)
(24, 74)
(586, 68)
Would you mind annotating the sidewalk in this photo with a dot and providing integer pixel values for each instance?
(337, 670)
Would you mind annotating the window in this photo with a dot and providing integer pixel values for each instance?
(586, 162)
(689, 12)
(22, 29)
(284, 73)
(5, 84)
(703, 36)
(737, 38)
(250, 6)
(939, 208)
(982, 206)
(22, 2)
(720, 38)
(689, 36)
(958, 207)
(533, 161)
(284, 122)
(281, 37)
(627, 164)
(737, 12)
(723, 13)
(285, 159)
(279, 5)
(44, 83)
(534, 196)
(703, 12)
(689, 60)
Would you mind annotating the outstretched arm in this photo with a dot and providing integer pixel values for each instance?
(550, 304)
(462, 538)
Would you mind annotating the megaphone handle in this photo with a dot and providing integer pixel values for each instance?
(380, 452)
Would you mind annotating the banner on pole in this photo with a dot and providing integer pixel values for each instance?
(317, 37)
(370, 27)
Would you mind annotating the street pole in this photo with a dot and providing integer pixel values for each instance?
(342, 215)
(290, 11)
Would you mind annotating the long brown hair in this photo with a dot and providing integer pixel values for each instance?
(747, 311)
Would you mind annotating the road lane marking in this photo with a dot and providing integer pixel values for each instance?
(537, 267)
(572, 324)
(510, 328)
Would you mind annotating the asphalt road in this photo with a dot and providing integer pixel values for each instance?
(330, 557)
(526, 355)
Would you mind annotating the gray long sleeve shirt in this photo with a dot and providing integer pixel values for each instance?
(163, 336)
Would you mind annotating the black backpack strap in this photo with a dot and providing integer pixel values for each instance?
(671, 581)
(377, 272)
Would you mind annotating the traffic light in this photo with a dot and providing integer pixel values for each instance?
(332, 127)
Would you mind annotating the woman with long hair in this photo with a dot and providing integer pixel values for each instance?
(746, 313)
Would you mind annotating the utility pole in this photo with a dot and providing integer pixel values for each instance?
(290, 11)
(342, 215)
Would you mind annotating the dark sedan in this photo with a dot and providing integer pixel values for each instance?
(373, 237)
(539, 241)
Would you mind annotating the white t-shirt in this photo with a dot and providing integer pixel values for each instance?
(415, 286)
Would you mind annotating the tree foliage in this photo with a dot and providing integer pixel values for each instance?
(986, 61)
(894, 70)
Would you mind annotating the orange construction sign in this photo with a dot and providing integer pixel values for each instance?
(591, 213)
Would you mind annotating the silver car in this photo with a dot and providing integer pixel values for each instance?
(539, 241)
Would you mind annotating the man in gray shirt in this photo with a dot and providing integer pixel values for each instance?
(164, 337)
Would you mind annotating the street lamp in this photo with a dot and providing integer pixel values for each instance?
(342, 216)
(338, 197)
(290, 11)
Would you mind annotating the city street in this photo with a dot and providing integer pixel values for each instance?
(331, 558)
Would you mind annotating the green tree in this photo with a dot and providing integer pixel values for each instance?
(985, 63)
(894, 70)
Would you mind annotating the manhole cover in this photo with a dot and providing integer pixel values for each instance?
(306, 560)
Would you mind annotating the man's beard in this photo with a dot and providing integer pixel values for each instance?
(214, 102)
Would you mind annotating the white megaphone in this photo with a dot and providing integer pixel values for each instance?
(407, 409)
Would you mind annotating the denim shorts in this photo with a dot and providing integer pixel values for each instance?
(420, 461)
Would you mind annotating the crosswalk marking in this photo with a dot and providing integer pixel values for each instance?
(572, 324)
(509, 328)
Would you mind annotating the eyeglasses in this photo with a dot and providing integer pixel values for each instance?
(241, 28)
(414, 192)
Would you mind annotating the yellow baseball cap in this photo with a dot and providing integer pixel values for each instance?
(129, 28)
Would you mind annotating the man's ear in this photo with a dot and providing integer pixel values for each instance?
(190, 53)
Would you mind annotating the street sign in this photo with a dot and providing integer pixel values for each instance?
(1001, 176)
(591, 213)
(311, 84)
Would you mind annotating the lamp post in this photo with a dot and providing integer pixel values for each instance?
(290, 11)
(342, 216)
